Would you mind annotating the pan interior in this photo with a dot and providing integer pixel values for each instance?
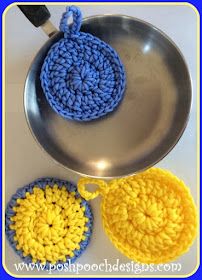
(145, 126)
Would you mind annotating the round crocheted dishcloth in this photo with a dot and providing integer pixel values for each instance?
(82, 77)
(48, 222)
(149, 217)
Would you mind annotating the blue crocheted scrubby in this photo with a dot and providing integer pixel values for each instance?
(42, 184)
(82, 77)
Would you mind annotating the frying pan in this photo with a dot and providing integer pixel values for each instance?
(150, 119)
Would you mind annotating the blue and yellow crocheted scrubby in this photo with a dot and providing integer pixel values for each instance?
(82, 77)
(48, 222)
(149, 217)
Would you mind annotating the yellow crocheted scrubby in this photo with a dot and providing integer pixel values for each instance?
(149, 217)
(49, 224)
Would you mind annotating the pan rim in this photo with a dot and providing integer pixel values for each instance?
(168, 150)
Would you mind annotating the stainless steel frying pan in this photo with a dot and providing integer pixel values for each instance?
(147, 124)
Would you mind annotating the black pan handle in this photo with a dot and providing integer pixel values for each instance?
(36, 14)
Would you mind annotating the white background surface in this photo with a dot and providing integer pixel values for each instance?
(25, 161)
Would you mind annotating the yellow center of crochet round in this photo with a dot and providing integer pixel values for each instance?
(49, 224)
(149, 217)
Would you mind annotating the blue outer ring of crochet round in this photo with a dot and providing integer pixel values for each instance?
(82, 77)
(41, 183)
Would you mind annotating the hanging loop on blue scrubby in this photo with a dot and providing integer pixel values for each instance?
(75, 26)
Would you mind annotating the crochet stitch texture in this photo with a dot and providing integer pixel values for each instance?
(149, 217)
(82, 77)
(47, 221)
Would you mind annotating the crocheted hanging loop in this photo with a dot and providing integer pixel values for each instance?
(149, 217)
(76, 25)
(101, 190)
(82, 77)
